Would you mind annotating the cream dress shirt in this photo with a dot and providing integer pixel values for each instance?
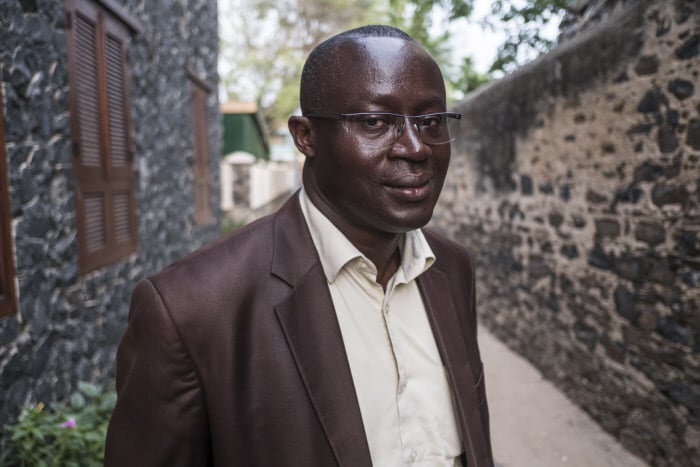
(405, 401)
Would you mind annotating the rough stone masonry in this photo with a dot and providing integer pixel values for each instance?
(67, 326)
(576, 183)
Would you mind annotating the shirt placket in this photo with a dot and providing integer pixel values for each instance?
(408, 453)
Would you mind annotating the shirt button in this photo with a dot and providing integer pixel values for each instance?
(402, 384)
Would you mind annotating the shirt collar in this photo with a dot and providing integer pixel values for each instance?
(336, 251)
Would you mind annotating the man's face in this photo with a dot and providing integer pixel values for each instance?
(387, 189)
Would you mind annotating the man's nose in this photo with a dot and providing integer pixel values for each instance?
(409, 143)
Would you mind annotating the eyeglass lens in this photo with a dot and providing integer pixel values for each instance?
(386, 129)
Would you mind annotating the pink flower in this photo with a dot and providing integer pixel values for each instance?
(70, 423)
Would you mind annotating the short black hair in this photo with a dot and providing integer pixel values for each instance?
(315, 74)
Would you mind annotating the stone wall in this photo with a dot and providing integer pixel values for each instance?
(576, 183)
(68, 325)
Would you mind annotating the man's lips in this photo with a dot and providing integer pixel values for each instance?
(410, 187)
(408, 181)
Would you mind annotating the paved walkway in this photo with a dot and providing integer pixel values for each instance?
(534, 425)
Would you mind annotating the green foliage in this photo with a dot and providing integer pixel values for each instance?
(523, 23)
(466, 79)
(66, 435)
(229, 225)
(417, 17)
(265, 42)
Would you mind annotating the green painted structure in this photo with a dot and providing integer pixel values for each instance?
(244, 130)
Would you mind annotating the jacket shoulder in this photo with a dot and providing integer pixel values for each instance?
(249, 247)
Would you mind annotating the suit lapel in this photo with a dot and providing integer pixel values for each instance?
(442, 313)
(308, 320)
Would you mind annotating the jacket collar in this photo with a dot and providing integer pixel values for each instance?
(450, 339)
(311, 328)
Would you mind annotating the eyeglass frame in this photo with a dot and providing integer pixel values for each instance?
(400, 129)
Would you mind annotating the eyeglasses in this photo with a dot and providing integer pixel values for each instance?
(383, 129)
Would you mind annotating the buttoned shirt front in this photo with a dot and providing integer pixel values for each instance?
(400, 381)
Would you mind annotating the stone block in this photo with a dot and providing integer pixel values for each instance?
(556, 219)
(594, 197)
(569, 251)
(578, 221)
(648, 171)
(526, 185)
(663, 194)
(546, 188)
(599, 258)
(666, 139)
(537, 267)
(607, 227)
(692, 138)
(681, 88)
(630, 267)
(565, 192)
(586, 334)
(647, 65)
(658, 269)
(689, 49)
(652, 101)
(631, 194)
(651, 233)
(687, 243)
(647, 320)
(675, 332)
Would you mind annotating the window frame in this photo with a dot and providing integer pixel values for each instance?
(201, 178)
(8, 294)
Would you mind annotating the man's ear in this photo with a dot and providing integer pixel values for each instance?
(300, 128)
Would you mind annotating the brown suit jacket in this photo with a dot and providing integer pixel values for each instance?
(233, 357)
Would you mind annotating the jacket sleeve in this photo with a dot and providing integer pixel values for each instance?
(160, 418)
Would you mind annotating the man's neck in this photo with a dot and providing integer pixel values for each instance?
(381, 248)
(384, 253)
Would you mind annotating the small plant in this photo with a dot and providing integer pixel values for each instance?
(230, 224)
(70, 434)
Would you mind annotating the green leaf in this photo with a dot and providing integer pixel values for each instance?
(88, 389)
(77, 401)
(36, 439)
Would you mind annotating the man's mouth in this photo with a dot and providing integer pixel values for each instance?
(409, 181)
(410, 187)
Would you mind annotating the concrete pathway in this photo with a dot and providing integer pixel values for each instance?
(534, 425)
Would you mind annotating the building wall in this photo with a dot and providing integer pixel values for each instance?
(68, 325)
(576, 183)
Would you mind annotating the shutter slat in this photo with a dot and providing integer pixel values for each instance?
(201, 168)
(122, 229)
(88, 108)
(94, 222)
(115, 101)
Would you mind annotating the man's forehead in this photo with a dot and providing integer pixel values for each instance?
(379, 50)
(358, 73)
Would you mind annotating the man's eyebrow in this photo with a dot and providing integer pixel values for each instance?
(430, 102)
(385, 102)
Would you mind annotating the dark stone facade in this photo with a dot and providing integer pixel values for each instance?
(68, 325)
(576, 183)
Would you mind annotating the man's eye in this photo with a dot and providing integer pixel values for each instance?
(430, 122)
(374, 122)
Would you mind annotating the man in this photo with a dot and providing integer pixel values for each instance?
(334, 332)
